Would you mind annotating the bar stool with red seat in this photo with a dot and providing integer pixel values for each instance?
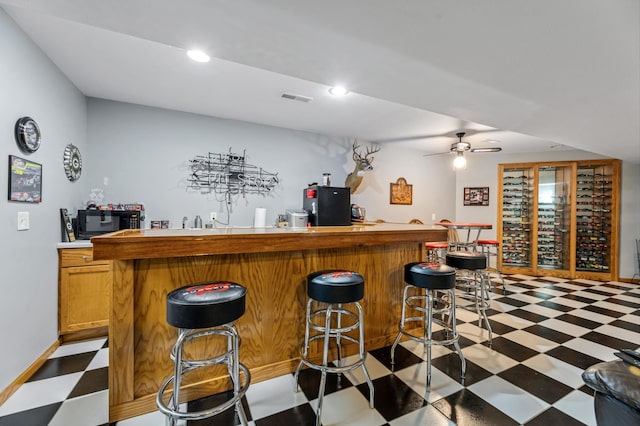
(490, 249)
(436, 250)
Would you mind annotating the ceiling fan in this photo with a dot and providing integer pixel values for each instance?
(460, 147)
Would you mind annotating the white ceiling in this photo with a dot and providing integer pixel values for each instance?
(528, 74)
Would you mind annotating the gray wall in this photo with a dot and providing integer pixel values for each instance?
(142, 153)
(31, 85)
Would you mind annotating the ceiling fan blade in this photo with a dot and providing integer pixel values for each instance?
(450, 134)
(486, 149)
(435, 153)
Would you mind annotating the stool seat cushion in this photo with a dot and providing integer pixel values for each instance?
(488, 242)
(430, 275)
(335, 286)
(208, 304)
(466, 260)
(436, 245)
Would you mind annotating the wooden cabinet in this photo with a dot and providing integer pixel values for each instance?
(560, 218)
(84, 292)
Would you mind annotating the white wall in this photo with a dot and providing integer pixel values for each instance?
(32, 86)
(482, 170)
(629, 220)
(432, 179)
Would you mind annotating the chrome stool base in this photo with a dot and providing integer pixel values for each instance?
(472, 278)
(183, 366)
(335, 288)
(439, 298)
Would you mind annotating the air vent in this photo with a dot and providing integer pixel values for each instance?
(293, 97)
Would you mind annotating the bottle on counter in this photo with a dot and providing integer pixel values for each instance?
(197, 223)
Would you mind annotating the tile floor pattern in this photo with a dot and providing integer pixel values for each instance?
(546, 332)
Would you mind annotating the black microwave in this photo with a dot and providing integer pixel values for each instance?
(90, 223)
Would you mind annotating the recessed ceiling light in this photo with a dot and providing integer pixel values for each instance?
(198, 55)
(338, 91)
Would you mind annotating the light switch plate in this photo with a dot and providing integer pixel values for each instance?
(23, 221)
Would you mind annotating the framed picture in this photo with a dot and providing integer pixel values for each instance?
(401, 192)
(476, 196)
(25, 180)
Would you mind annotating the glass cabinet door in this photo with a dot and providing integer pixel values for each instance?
(516, 216)
(593, 218)
(554, 217)
(560, 218)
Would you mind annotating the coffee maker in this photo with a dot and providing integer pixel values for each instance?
(327, 205)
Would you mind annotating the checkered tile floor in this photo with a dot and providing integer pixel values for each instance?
(546, 332)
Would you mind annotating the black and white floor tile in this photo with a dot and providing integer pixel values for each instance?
(546, 331)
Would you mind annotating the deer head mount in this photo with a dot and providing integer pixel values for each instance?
(363, 164)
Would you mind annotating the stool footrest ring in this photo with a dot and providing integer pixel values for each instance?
(203, 414)
(420, 339)
(330, 369)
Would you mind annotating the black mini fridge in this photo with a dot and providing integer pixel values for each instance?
(327, 205)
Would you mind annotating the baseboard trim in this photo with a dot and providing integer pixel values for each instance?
(26, 374)
(92, 333)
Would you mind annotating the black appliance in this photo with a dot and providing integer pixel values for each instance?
(327, 205)
(90, 223)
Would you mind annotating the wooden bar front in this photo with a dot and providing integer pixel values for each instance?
(273, 264)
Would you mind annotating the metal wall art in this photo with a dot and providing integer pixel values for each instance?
(72, 162)
(229, 174)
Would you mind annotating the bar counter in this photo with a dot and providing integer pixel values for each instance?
(272, 263)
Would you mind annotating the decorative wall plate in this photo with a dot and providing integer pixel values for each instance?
(27, 134)
(72, 162)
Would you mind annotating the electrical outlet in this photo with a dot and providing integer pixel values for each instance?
(213, 216)
(433, 216)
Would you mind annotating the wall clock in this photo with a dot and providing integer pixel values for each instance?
(72, 162)
(27, 135)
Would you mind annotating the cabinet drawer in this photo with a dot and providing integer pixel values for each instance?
(78, 257)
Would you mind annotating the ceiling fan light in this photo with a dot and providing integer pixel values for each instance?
(459, 162)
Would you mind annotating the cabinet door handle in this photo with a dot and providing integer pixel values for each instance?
(85, 257)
